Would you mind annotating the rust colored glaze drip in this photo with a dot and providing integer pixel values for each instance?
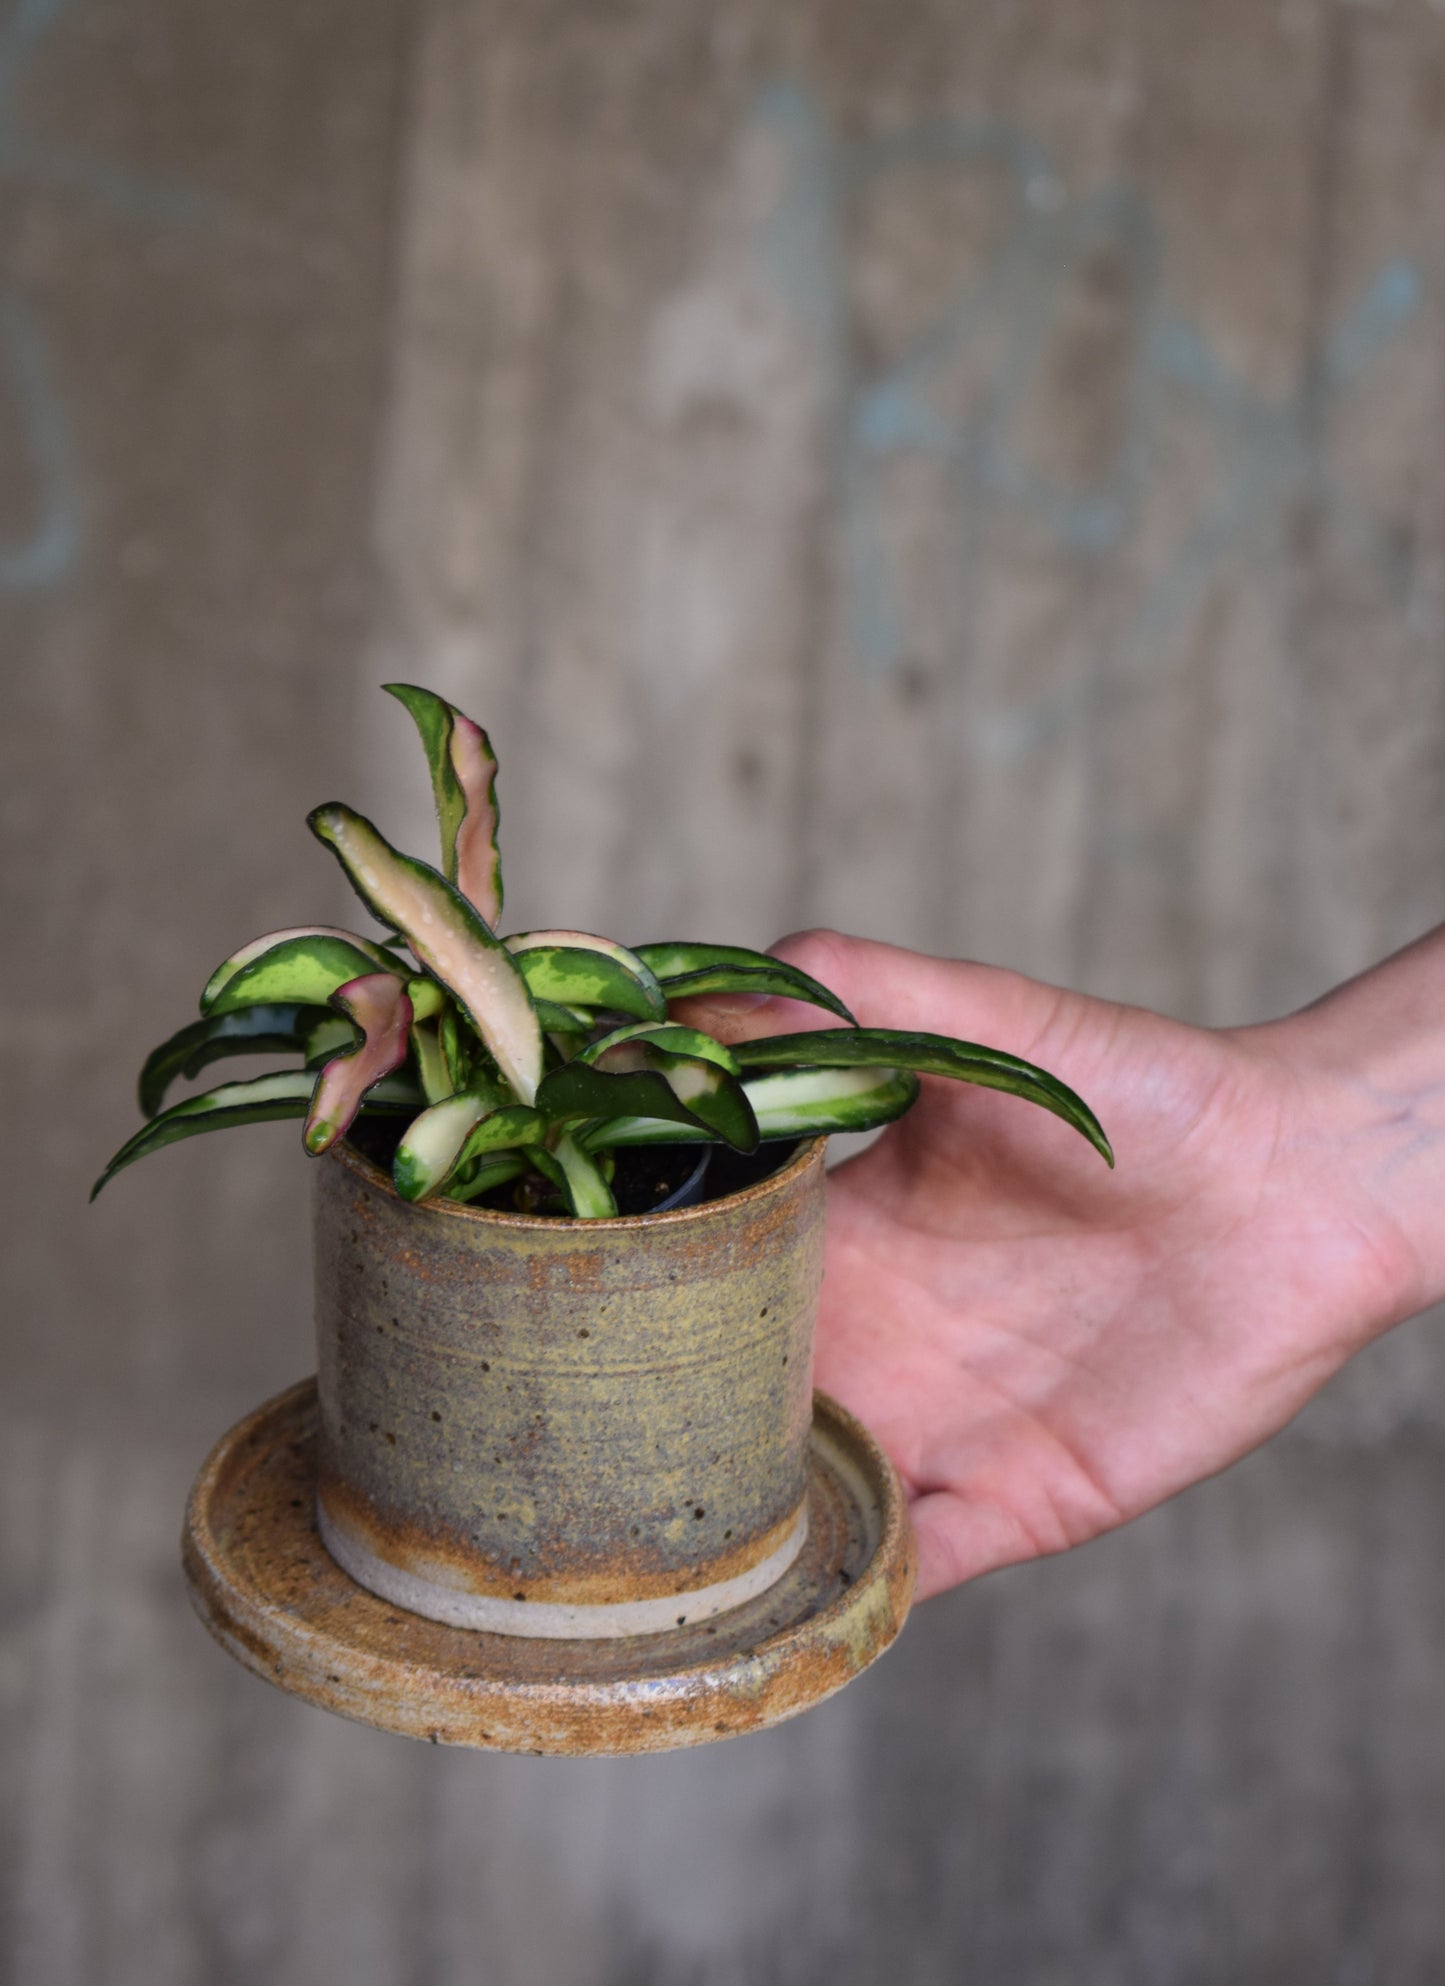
(558, 1428)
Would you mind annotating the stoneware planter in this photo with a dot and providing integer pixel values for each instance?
(559, 1485)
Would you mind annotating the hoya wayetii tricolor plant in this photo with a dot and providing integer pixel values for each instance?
(518, 1067)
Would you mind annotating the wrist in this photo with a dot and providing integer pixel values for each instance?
(1367, 1067)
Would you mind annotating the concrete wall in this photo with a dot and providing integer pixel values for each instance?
(965, 472)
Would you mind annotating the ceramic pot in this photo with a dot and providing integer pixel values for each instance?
(562, 1428)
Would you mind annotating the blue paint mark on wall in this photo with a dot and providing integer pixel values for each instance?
(1269, 448)
(48, 548)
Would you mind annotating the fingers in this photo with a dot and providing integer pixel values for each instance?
(887, 986)
(747, 1016)
(959, 1539)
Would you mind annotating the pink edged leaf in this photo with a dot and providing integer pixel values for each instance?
(463, 774)
(478, 866)
(378, 1004)
(449, 937)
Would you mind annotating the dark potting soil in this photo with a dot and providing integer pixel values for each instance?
(645, 1175)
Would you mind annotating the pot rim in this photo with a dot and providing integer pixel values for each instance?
(809, 1154)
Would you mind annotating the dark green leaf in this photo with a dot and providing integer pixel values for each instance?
(577, 1091)
(706, 1082)
(557, 1019)
(249, 1031)
(491, 1172)
(459, 1046)
(700, 1092)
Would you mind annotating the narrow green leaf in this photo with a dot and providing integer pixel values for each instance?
(378, 1005)
(432, 1068)
(433, 716)
(460, 1047)
(449, 937)
(927, 1055)
(372, 955)
(250, 1031)
(557, 1019)
(492, 1172)
(463, 775)
(580, 970)
(262, 1098)
(587, 1192)
(687, 969)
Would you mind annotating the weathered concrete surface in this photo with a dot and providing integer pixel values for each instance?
(972, 475)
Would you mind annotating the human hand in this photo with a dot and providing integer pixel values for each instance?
(1044, 1347)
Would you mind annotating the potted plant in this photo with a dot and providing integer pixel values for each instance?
(562, 1474)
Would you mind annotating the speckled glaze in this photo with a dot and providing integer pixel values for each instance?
(565, 1428)
(275, 1599)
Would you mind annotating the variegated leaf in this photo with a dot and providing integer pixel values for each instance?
(927, 1055)
(249, 1031)
(302, 966)
(686, 970)
(448, 936)
(580, 970)
(586, 1190)
(377, 1003)
(463, 774)
(431, 1147)
(262, 1098)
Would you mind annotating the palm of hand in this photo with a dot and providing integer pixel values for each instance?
(1047, 1349)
